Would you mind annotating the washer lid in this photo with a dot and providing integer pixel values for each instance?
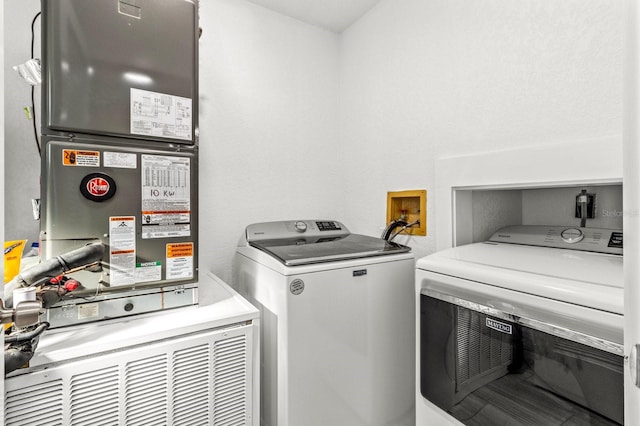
(306, 250)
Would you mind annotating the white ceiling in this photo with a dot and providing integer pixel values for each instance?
(334, 15)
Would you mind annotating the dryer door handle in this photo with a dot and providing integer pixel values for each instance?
(634, 364)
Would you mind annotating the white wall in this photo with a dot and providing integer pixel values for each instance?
(22, 165)
(298, 122)
(269, 148)
(420, 80)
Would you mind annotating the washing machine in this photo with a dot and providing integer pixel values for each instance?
(337, 334)
(523, 329)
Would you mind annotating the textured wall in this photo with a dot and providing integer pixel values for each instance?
(420, 80)
(22, 164)
(608, 207)
(494, 209)
(300, 122)
(269, 147)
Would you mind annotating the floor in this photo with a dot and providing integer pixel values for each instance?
(513, 401)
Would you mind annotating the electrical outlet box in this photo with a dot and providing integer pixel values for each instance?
(408, 206)
(591, 206)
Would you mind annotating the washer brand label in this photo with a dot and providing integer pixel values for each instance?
(499, 326)
(359, 272)
(296, 287)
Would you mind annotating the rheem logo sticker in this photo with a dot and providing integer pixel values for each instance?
(97, 187)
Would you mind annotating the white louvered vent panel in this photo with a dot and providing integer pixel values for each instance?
(192, 386)
(146, 390)
(230, 382)
(198, 380)
(38, 405)
(94, 397)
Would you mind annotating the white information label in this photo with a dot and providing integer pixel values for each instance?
(166, 231)
(179, 261)
(121, 160)
(88, 310)
(148, 271)
(122, 256)
(160, 115)
(166, 196)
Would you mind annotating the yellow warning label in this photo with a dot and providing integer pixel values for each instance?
(73, 157)
(179, 250)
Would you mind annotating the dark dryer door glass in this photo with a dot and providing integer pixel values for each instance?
(484, 369)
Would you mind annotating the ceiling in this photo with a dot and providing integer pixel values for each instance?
(333, 15)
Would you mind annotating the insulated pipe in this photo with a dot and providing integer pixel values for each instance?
(53, 267)
(62, 263)
(27, 336)
(15, 358)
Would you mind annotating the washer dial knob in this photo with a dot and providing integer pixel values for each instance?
(300, 226)
(572, 235)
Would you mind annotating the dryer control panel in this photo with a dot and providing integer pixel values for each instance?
(598, 240)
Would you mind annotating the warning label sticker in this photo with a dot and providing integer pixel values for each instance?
(160, 114)
(74, 157)
(179, 261)
(122, 255)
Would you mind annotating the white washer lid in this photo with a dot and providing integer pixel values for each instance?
(588, 279)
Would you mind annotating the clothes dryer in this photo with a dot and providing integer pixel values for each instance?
(337, 324)
(524, 329)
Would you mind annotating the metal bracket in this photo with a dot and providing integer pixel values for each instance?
(25, 314)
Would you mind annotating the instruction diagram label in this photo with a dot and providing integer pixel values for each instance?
(160, 115)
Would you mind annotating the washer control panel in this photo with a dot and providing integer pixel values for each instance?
(586, 239)
(295, 229)
(300, 226)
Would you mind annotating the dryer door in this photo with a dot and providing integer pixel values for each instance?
(483, 366)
